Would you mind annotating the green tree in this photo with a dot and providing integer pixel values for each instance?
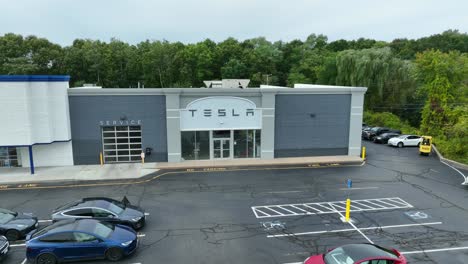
(444, 78)
(234, 68)
(389, 80)
(450, 40)
(310, 58)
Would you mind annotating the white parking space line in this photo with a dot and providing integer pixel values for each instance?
(360, 204)
(357, 229)
(313, 208)
(141, 235)
(287, 210)
(400, 201)
(358, 188)
(283, 210)
(351, 229)
(388, 204)
(295, 207)
(461, 173)
(286, 192)
(339, 206)
(434, 250)
(259, 211)
(268, 208)
(147, 214)
(17, 245)
(24, 261)
(44, 221)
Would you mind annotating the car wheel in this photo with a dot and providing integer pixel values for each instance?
(418, 144)
(400, 144)
(12, 235)
(46, 259)
(114, 254)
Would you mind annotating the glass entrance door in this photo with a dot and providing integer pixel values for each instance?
(221, 148)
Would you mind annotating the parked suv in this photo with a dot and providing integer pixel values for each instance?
(383, 138)
(365, 131)
(377, 131)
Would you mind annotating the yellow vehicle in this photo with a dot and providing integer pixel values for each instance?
(425, 146)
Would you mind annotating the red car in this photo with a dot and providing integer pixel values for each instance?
(358, 254)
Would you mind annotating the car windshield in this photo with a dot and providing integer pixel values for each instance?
(349, 254)
(338, 256)
(374, 129)
(6, 217)
(403, 136)
(103, 229)
(116, 207)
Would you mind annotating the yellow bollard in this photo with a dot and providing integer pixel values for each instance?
(363, 153)
(348, 208)
(101, 159)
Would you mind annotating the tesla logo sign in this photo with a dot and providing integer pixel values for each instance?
(220, 112)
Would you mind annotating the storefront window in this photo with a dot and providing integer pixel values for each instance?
(246, 144)
(195, 145)
(8, 157)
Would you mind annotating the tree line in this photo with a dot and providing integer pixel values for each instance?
(421, 81)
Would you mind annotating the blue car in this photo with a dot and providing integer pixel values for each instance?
(75, 240)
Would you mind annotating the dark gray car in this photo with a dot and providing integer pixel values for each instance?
(14, 225)
(104, 209)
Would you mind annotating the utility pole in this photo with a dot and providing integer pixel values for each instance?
(160, 77)
(268, 75)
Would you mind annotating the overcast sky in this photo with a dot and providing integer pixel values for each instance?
(62, 21)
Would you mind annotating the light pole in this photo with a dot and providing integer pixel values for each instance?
(268, 75)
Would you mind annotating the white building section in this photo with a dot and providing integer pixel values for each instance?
(284, 210)
(55, 154)
(38, 114)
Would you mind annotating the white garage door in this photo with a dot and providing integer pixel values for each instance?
(121, 143)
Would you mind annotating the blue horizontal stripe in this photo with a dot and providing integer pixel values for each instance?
(34, 78)
(39, 143)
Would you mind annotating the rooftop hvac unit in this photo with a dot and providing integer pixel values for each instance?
(228, 83)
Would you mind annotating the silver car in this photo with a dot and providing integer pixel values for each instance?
(104, 209)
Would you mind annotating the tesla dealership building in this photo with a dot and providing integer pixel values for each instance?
(46, 123)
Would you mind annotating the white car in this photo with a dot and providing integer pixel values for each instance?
(405, 141)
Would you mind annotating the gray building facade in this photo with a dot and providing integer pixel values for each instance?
(90, 114)
(312, 125)
(177, 124)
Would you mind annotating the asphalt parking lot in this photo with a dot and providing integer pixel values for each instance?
(413, 203)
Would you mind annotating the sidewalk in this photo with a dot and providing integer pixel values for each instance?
(138, 170)
(77, 173)
(260, 162)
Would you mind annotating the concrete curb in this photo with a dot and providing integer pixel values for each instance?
(455, 164)
(262, 165)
